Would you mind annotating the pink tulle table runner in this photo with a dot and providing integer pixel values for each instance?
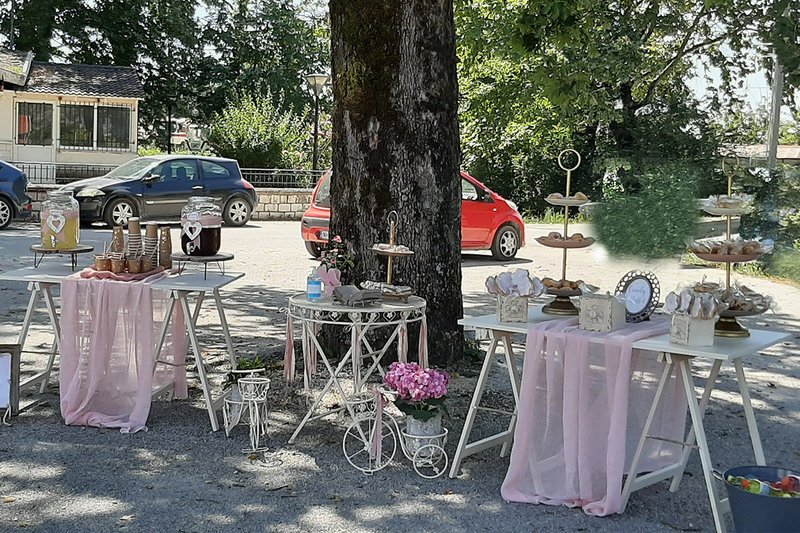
(109, 330)
(584, 400)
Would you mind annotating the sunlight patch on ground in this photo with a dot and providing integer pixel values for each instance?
(322, 518)
(27, 472)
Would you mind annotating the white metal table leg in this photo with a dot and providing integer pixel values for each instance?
(197, 305)
(162, 336)
(198, 358)
(632, 478)
(755, 439)
(54, 321)
(318, 400)
(516, 383)
(702, 443)
(463, 445)
(23, 333)
(225, 331)
(690, 438)
(376, 355)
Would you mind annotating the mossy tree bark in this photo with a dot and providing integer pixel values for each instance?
(396, 148)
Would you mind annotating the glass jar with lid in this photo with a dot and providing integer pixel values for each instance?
(60, 216)
(201, 225)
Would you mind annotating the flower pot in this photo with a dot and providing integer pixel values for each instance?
(419, 433)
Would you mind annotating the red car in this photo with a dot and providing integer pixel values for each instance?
(488, 221)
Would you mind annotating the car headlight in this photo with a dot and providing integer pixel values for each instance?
(513, 205)
(89, 193)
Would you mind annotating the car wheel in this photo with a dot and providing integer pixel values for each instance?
(6, 213)
(314, 249)
(237, 212)
(506, 243)
(119, 211)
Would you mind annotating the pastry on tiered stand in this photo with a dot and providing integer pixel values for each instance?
(392, 250)
(564, 289)
(723, 204)
(731, 251)
(741, 301)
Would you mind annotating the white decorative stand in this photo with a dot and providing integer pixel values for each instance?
(254, 400)
(370, 443)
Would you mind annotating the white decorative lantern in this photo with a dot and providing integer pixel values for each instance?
(601, 312)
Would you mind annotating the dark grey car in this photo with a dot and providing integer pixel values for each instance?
(14, 200)
(157, 187)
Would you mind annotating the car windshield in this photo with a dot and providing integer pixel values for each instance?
(323, 198)
(132, 169)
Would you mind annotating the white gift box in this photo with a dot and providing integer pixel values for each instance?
(512, 308)
(688, 331)
(601, 312)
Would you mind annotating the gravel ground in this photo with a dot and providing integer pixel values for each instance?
(180, 476)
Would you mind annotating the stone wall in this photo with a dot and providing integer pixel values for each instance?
(273, 204)
(282, 204)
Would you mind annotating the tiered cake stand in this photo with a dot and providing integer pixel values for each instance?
(727, 326)
(562, 304)
(392, 252)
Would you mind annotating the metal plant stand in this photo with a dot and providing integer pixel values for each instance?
(370, 443)
(252, 408)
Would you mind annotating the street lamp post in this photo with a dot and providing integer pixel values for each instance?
(317, 82)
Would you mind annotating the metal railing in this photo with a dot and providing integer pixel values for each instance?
(60, 173)
(278, 178)
(262, 178)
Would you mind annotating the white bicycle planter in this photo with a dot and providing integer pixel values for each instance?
(369, 447)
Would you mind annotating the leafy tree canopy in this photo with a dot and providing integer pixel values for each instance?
(191, 55)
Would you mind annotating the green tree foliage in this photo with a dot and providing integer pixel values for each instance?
(609, 79)
(782, 30)
(775, 216)
(253, 130)
(263, 46)
(189, 66)
(664, 208)
(511, 135)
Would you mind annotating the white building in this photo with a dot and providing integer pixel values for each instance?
(59, 114)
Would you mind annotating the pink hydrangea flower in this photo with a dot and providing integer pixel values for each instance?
(416, 384)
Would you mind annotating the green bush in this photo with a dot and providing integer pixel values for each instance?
(254, 131)
(655, 221)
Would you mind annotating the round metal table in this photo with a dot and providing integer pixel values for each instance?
(219, 258)
(40, 251)
(359, 321)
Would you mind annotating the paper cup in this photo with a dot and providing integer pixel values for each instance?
(102, 263)
(117, 266)
(134, 266)
(151, 230)
(133, 225)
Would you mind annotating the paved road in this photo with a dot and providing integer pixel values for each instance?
(180, 477)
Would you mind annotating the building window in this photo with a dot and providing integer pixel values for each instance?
(35, 124)
(113, 127)
(77, 125)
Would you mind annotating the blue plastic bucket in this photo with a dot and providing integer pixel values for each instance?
(757, 513)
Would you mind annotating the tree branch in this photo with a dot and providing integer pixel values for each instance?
(683, 50)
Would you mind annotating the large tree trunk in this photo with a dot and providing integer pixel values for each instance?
(395, 147)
